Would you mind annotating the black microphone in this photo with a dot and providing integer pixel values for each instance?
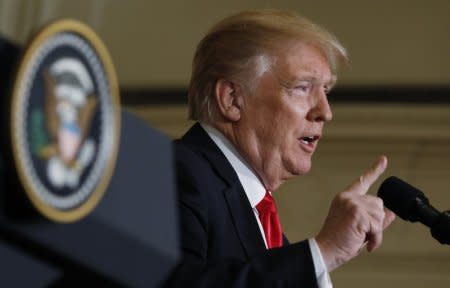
(412, 205)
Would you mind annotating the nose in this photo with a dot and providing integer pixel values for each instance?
(320, 110)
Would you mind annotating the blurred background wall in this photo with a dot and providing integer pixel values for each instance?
(152, 41)
(394, 99)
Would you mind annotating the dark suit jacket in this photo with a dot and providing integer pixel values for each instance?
(221, 242)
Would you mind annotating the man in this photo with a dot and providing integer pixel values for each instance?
(259, 92)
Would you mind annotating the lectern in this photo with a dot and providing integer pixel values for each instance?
(87, 188)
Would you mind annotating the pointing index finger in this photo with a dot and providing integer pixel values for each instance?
(370, 176)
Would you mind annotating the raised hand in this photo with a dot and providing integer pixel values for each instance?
(354, 219)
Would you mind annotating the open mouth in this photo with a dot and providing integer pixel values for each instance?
(308, 140)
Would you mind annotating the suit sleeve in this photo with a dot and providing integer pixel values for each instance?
(288, 266)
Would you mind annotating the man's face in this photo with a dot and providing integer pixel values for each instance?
(282, 118)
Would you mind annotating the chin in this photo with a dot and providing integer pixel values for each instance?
(301, 168)
(304, 170)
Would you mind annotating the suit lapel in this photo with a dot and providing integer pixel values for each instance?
(244, 220)
(239, 207)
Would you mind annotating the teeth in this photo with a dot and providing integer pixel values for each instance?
(308, 140)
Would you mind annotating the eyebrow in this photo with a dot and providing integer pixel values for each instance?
(310, 78)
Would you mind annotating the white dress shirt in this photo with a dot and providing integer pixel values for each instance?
(255, 191)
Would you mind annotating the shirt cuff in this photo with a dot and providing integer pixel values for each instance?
(322, 276)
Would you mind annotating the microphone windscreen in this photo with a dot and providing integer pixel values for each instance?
(401, 198)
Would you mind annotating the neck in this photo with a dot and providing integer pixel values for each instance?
(247, 147)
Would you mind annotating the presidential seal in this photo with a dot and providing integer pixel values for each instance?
(64, 120)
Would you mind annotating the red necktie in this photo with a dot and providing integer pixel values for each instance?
(269, 219)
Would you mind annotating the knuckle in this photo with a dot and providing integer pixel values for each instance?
(381, 216)
(379, 203)
(377, 228)
(354, 209)
(376, 202)
(340, 198)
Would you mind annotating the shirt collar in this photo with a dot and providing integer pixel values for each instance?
(253, 187)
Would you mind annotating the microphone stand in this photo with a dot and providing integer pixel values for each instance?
(440, 230)
(439, 222)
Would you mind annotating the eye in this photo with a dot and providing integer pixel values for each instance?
(302, 88)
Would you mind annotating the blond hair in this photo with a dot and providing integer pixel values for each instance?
(243, 46)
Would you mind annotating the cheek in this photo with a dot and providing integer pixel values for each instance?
(271, 124)
(295, 159)
(292, 123)
(296, 162)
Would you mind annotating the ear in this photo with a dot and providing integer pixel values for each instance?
(229, 99)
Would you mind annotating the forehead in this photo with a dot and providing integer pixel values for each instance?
(303, 62)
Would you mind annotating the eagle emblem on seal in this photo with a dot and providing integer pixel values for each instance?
(69, 106)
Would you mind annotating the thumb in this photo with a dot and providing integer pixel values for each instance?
(389, 217)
